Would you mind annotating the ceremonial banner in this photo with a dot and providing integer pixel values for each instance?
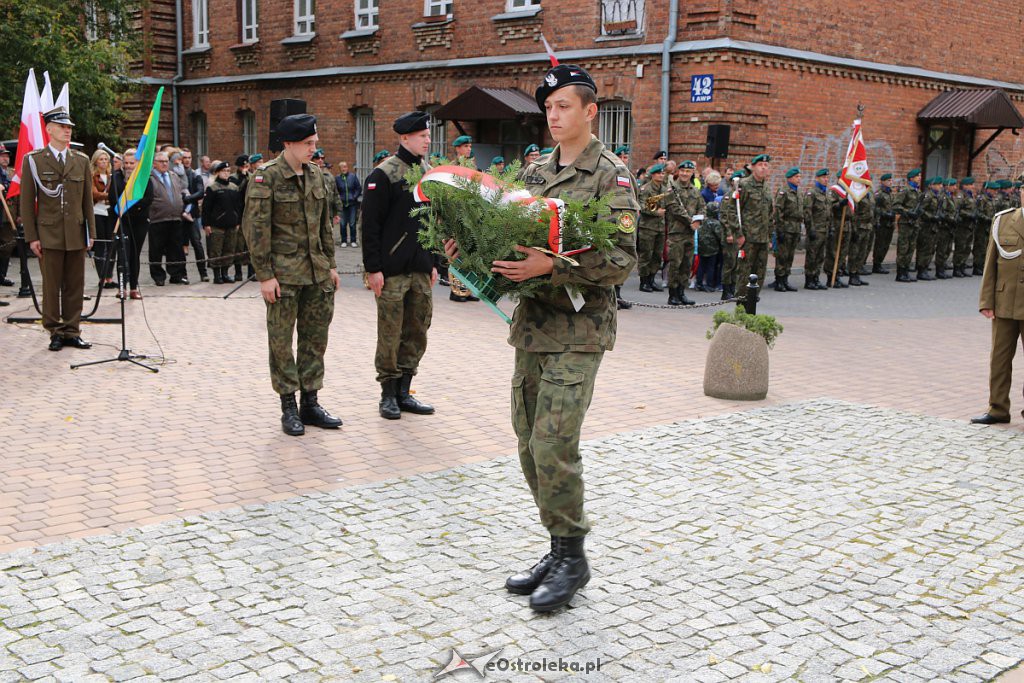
(135, 188)
(32, 133)
(855, 180)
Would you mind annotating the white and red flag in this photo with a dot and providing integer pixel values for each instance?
(547, 48)
(32, 134)
(855, 180)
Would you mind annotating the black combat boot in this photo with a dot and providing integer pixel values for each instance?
(879, 269)
(958, 271)
(726, 292)
(407, 402)
(645, 283)
(621, 303)
(238, 272)
(290, 422)
(568, 574)
(855, 281)
(839, 284)
(218, 276)
(924, 275)
(388, 407)
(682, 297)
(312, 413)
(940, 273)
(655, 287)
(809, 282)
(527, 581)
(788, 287)
(673, 297)
(226, 276)
(779, 285)
(977, 270)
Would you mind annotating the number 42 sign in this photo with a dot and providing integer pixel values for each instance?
(702, 87)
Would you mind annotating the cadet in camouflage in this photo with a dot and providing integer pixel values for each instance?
(884, 217)
(966, 217)
(286, 223)
(932, 215)
(731, 238)
(818, 222)
(755, 207)
(685, 203)
(655, 197)
(908, 206)
(862, 224)
(786, 219)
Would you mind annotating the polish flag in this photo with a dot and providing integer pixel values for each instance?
(855, 180)
(32, 134)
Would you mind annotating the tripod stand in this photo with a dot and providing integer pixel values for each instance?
(125, 354)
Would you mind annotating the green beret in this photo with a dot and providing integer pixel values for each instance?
(969, 180)
(951, 182)
(462, 140)
(622, 149)
(760, 158)
(913, 174)
(688, 164)
(318, 154)
(383, 154)
(497, 160)
(1017, 183)
(792, 172)
(531, 149)
(547, 150)
(820, 172)
(886, 176)
(1007, 184)
(257, 157)
(737, 174)
(657, 168)
(937, 180)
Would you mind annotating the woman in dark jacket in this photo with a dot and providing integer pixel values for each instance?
(222, 212)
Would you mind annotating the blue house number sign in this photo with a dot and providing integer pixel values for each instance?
(702, 87)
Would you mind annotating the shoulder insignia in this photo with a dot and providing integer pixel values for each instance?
(627, 223)
(257, 178)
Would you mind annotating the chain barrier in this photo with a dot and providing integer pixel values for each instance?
(691, 307)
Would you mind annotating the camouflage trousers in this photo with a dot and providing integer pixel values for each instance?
(551, 393)
(404, 310)
(650, 244)
(815, 254)
(860, 247)
(962, 236)
(883, 240)
(784, 252)
(980, 245)
(927, 239)
(680, 258)
(306, 310)
(730, 264)
(943, 246)
(241, 249)
(755, 263)
(830, 250)
(223, 242)
(906, 243)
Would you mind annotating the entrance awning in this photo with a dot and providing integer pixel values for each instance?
(971, 109)
(488, 104)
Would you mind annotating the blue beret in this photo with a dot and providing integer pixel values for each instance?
(951, 182)
(792, 172)
(296, 127)
(411, 122)
(462, 140)
(559, 77)
(530, 149)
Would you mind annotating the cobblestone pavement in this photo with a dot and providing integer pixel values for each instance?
(816, 541)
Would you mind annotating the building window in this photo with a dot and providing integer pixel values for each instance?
(249, 144)
(615, 124)
(91, 21)
(305, 17)
(437, 8)
(364, 143)
(200, 23)
(622, 17)
(249, 21)
(200, 144)
(438, 133)
(520, 5)
(366, 14)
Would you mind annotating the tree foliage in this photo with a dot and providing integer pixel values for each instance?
(52, 35)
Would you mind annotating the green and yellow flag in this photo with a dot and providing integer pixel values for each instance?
(136, 186)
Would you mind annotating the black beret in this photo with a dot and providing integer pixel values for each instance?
(561, 76)
(221, 166)
(659, 154)
(411, 122)
(296, 127)
(242, 160)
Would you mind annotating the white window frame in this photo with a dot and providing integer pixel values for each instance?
(250, 136)
(521, 5)
(367, 14)
(250, 21)
(615, 123)
(615, 11)
(92, 18)
(200, 23)
(200, 133)
(305, 17)
(438, 8)
(364, 142)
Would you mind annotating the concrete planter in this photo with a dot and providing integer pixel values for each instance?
(737, 365)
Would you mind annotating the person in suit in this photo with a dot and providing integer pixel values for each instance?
(135, 221)
(166, 238)
(1002, 302)
(57, 215)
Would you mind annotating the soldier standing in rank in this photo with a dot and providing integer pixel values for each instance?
(1002, 302)
(884, 217)
(986, 211)
(654, 200)
(786, 219)
(686, 203)
(862, 227)
(908, 205)
(400, 272)
(320, 159)
(559, 346)
(622, 152)
(755, 207)
(463, 146)
(732, 239)
(947, 227)
(932, 214)
(838, 242)
(966, 217)
(287, 226)
(531, 154)
(57, 215)
(818, 222)
(222, 213)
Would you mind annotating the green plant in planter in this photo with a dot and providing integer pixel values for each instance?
(765, 325)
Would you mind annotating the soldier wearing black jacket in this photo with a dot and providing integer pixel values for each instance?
(135, 222)
(222, 213)
(194, 228)
(399, 271)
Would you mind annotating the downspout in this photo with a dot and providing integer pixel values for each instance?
(666, 68)
(179, 75)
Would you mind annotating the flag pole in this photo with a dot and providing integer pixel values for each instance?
(839, 246)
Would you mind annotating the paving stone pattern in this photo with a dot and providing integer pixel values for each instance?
(816, 541)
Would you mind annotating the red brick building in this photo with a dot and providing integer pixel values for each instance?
(784, 78)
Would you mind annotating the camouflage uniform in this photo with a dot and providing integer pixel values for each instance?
(786, 219)
(908, 206)
(840, 223)
(986, 211)
(884, 218)
(966, 217)
(756, 218)
(685, 202)
(287, 226)
(818, 222)
(730, 251)
(334, 199)
(931, 216)
(559, 350)
(862, 224)
(947, 229)
(651, 235)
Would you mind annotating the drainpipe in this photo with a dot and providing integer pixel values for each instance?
(666, 68)
(179, 75)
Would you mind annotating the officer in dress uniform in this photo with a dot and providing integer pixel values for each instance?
(560, 335)
(287, 226)
(57, 215)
